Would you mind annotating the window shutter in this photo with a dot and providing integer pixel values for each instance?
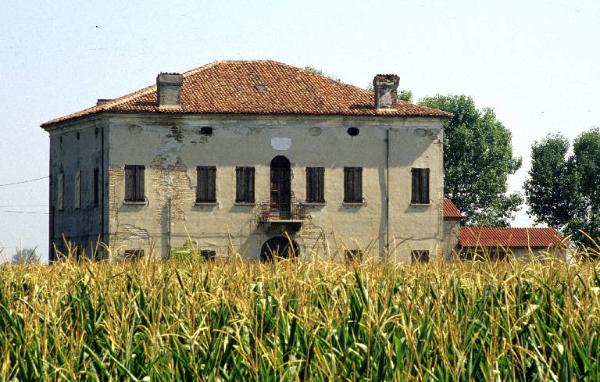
(425, 185)
(211, 184)
(140, 183)
(129, 183)
(358, 186)
(251, 185)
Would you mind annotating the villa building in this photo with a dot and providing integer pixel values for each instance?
(247, 157)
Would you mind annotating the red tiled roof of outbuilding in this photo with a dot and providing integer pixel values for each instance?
(508, 237)
(451, 212)
(258, 87)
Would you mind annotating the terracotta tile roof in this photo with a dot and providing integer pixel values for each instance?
(450, 210)
(508, 237)
(258, 87)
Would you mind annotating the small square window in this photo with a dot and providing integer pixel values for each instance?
(420, 256)
(208, 254)
(354, 255)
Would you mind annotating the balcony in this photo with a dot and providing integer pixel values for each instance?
(273, 213)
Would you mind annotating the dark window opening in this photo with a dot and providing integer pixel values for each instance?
(354, 255)
(77, 135)
(133, 254)
(206, 188)
(134, 183)
(96, 181)
(244, 190)
(353, 131)
(315, 181)
(208, 254)
(96, 132)
(420, 256)
(207, 130)
(60, 139)
(420, 185)
(353, 185)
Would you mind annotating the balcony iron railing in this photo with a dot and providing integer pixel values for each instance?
(272, 213)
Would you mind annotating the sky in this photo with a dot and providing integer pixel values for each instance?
(536, 63)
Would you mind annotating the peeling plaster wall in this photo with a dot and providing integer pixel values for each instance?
(171, 147)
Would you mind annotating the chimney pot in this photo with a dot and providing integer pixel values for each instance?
(168, 87)
(385, 87)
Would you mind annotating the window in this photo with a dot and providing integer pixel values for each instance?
(96, 181)
(205, 190)
(315, 180)
(208, 254)
(134, 183)
(420, 256)
(60, 188)
(244, 192)
(420, 185)
(354, 255)
(353, 185)
(77, 198)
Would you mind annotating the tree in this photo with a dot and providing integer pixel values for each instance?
(563, 190)
(25, 256)
(478, 158)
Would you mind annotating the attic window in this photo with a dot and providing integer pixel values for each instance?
(353, 131)
(206, 130)
(261, 88)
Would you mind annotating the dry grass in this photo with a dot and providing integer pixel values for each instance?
(299, 320)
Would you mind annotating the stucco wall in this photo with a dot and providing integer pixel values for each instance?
(81, 226)
(451, 232)
(171, 147)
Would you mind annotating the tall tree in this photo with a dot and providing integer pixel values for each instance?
(563, 190)
(478, 158)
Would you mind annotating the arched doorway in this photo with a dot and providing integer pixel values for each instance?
(279, 247)
(281, 193)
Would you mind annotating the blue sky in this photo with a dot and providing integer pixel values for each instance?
(535, 62)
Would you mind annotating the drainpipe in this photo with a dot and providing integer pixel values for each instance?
(387, 190)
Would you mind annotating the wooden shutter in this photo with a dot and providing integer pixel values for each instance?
(314, 184)
(211, 192)
(205, 191)
(129, 183)
(353, 185)
(244, 185)
(251, 184)
(420, 185)
(425, 186)
(139, 183)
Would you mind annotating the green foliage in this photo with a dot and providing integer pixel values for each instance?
(300, 321)
(188, 251)
(478, 158)
(405, 95)
(321, 73)
(563, 190)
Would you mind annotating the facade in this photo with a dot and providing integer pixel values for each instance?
(249, 157)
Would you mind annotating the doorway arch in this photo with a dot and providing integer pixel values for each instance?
(281, 187)
(279, 247)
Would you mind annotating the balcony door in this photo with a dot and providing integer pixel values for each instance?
(281, 193)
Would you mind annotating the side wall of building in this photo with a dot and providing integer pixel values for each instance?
(451, 232)
(171, 147)
(76, 148)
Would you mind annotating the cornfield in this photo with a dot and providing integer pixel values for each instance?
(233, 320)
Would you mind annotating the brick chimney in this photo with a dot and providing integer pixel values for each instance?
(168, 87)
(385, 87)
